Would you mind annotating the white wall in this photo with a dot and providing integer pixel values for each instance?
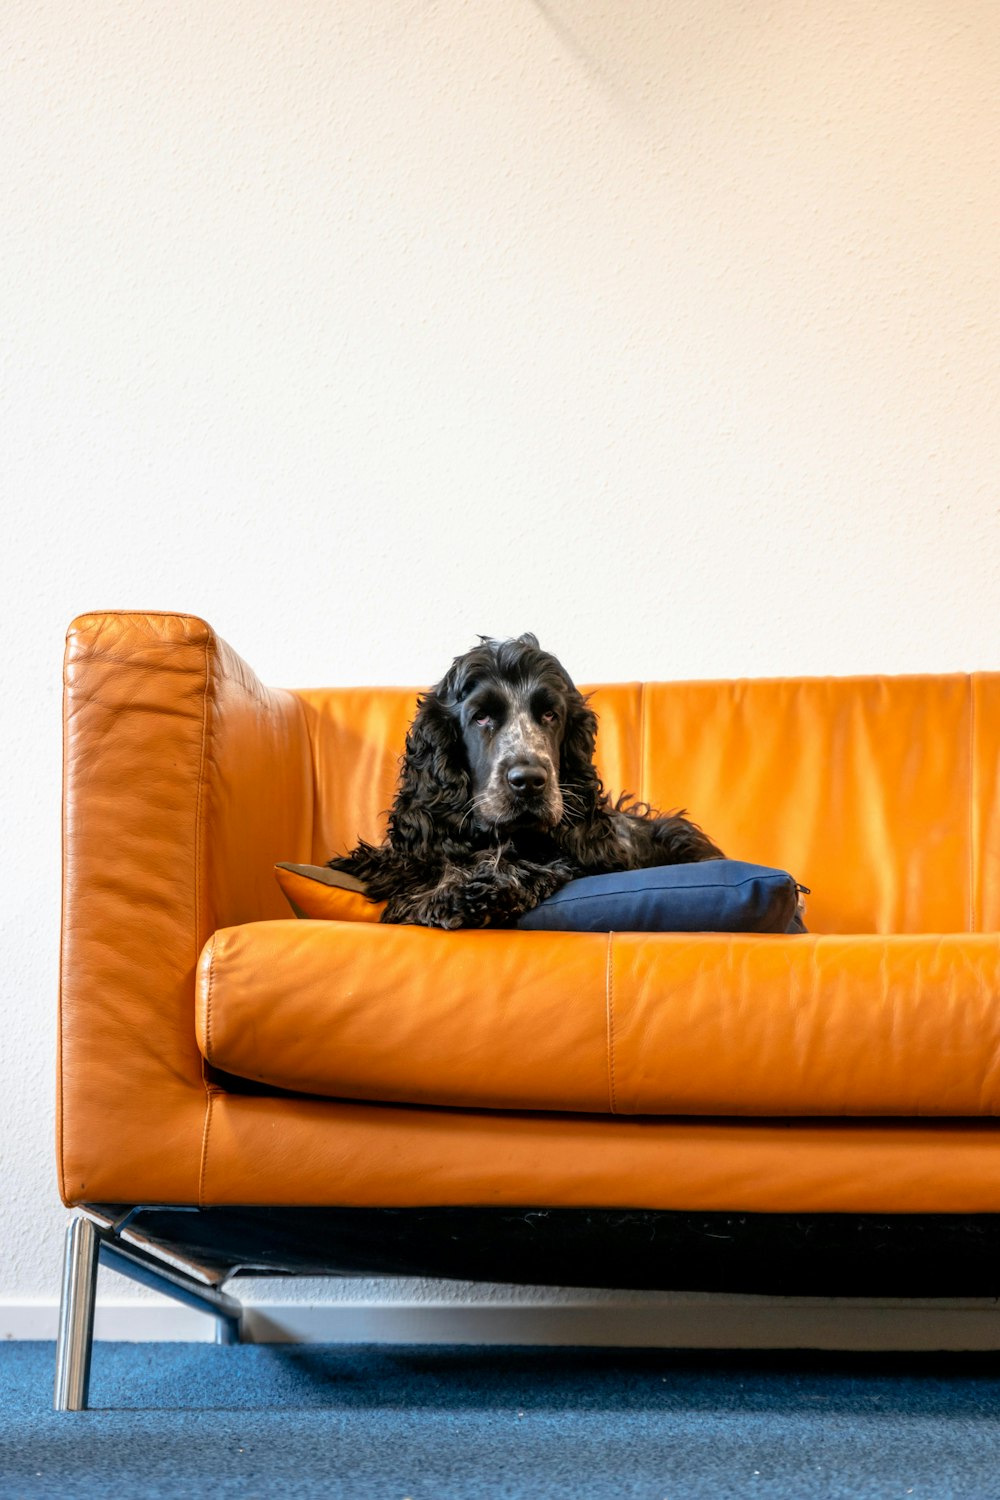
(668, 330)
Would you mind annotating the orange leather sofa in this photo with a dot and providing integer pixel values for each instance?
(216, 1051)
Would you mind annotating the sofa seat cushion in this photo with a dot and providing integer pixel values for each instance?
(623, 1023)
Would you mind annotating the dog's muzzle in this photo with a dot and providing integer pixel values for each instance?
(525, 795)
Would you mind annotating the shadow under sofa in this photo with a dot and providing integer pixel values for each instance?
(238, 1089)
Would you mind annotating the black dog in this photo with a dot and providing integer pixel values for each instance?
(499, 802)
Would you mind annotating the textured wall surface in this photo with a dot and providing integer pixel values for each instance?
(669, 331)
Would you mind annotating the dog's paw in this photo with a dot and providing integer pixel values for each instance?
(450, 904)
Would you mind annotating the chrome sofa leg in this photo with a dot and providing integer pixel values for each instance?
(228, 1331)
(76, 1315)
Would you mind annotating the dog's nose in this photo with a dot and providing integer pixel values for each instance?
(527, 777)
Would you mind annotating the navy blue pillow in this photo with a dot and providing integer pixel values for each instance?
(718, 895)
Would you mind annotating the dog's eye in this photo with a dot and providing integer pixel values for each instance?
(484, 721)
(549, 716)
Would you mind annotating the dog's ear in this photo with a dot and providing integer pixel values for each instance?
(434, 782)
(577, 769)
(589, 831)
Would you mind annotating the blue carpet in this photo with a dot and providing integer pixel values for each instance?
(386, 1423)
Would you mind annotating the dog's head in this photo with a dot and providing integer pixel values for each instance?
(503, 743)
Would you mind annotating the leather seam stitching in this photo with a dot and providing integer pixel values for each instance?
(306, 719)
(203, 1168)
(60, 1131)
(209, 1091)
(208, 1004)
(199, 805)
(609, 994)
(197, 916)
(642, 742)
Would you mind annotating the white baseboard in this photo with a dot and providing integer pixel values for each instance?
(684, 1321)
(127, 1322)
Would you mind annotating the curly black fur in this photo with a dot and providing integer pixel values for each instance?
(499, 802)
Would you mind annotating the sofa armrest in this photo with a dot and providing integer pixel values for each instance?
(184, 780)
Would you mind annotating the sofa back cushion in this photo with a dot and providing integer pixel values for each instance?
(880, 793)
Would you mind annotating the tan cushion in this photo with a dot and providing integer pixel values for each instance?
(316, 891)
(629, 1023)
